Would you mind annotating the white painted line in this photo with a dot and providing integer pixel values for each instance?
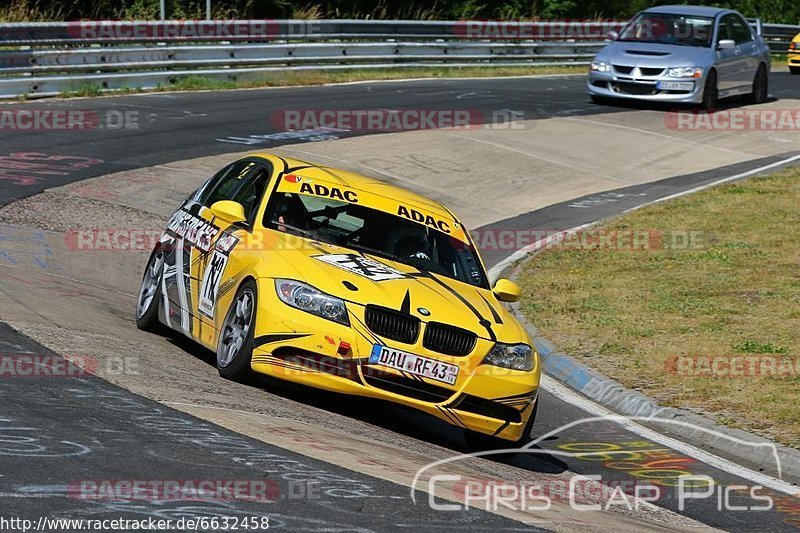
(742, 175)
(496, 270)
(563, 393)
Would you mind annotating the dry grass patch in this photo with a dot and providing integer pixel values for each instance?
(736, 292)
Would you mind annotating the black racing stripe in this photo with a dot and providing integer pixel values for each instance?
(301, 167)
(318, 248)
(483, 322)
(375, 338)
(516, 396)
(448, 415)
(495, 314)
(406, 305)
(267, 339)
(503, 426)
(459, 399)
(336, 176)
(426, 275)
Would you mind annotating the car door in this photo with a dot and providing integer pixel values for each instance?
(728, 61)
(218, 264)
(189, 236)
(749, 53)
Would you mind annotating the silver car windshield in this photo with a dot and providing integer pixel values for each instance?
(662, 28)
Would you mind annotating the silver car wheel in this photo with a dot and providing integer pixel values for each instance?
(152, 278)
(236, 328)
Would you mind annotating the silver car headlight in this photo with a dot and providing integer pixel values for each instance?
(600, 66)
(512, 356)
(306, 298)
(685, 72)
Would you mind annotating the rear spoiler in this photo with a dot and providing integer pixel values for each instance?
(757, 26)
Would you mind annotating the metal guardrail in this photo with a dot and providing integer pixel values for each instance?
(46, 59)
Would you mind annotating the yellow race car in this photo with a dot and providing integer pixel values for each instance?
(794, 55)
(330, 279)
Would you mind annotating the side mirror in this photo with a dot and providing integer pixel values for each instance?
(228, 211)
(612, 35)
(726, 44)
(506, 290)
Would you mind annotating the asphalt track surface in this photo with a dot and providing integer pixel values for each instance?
(57, 431)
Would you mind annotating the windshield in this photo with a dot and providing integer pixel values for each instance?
(375, 232)
(664, 28)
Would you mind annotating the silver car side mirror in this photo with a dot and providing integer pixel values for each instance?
(726, 44)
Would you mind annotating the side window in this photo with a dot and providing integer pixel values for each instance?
(725, 28)
(741, 30)
(226, 183)
(251, 193)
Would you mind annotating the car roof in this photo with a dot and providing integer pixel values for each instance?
(698, 11)
(360, 182)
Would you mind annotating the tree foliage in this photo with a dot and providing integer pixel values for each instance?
(783, 11)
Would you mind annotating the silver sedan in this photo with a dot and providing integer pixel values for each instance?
(683, 54)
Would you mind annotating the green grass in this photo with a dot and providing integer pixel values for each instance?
(735, 292)
(289, 78)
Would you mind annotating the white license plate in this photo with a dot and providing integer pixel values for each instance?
(414, 364)
(675, 85)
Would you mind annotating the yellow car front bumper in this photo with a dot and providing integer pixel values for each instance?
(300, 347)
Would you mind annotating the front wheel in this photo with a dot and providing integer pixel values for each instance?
(760, 87)
(711, 92)
(235, 347)
(148, 301)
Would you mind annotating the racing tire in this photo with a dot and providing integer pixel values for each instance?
(760, 87)
(480, 442)
(235, 346)
(149, 301)
(711, 92)
(794, 70)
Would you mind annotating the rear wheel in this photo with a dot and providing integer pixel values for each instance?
(760, 87)
(482, 442)
(711, 92)
(148, 301)
(235, 347)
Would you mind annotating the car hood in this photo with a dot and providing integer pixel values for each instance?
(654, 55)
(429, 297)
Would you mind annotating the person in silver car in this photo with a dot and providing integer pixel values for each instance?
(683, 54)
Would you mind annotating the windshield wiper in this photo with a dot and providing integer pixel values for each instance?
(305, 232)
(379, 253)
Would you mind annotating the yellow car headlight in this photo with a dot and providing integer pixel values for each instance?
(512, 356)
(311, 300)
